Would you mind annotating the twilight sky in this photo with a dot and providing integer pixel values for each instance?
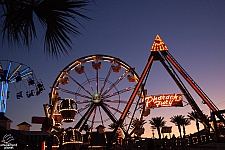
(193, 30)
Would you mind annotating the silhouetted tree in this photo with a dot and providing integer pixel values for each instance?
(138, 126)
(193, 115)
(177, 120)
(113, 125)
(158, 122)
(185, 122)
(59, 19)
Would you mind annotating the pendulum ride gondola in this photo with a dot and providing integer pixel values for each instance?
(92, 91)
(18, 77)
(159, 52)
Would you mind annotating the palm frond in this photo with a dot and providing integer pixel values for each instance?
(59, 19)
(177, 119)
(18, 24)
(137, 123)
(193, 115)
(157, 121)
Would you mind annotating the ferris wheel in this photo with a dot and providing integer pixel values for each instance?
(20, 78)
(93, 91)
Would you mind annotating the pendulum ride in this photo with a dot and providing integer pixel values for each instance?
(159, 52)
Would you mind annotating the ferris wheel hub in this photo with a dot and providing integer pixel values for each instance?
(96, 98)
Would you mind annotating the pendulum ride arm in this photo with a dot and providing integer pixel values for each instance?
(191, 82)
(127, 107)
(180, 85)
(183, 89)
(143, 108)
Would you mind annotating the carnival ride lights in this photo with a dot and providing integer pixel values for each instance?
(17, 73)
(159, 51)
(71, 136)
(165, 100)
(96, 87)
(68, 110)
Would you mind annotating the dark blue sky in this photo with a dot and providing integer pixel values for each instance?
(193, 30)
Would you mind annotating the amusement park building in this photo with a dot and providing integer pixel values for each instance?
(24, 139)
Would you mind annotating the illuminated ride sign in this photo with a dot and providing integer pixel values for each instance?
(167, 100)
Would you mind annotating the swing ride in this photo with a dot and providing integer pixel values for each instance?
(20, 76)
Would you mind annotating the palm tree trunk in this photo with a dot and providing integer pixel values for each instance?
(158, 129)
(179, 128)
(184, 131)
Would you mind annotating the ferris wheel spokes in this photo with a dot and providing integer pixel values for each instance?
(99, 85)
(80, 85)
(74, 93)
(90, 109)
(106, 79)
(108, 112)
(115, 83)
(119, 92)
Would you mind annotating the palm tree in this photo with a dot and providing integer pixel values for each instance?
(177, 120)
(185, 122)
(120, 133)
(204, 119)
(158, 122)
(112, 126)
(138, 126)
(58, 18)
(193, 115)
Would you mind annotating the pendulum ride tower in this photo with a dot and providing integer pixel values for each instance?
(159, 52)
